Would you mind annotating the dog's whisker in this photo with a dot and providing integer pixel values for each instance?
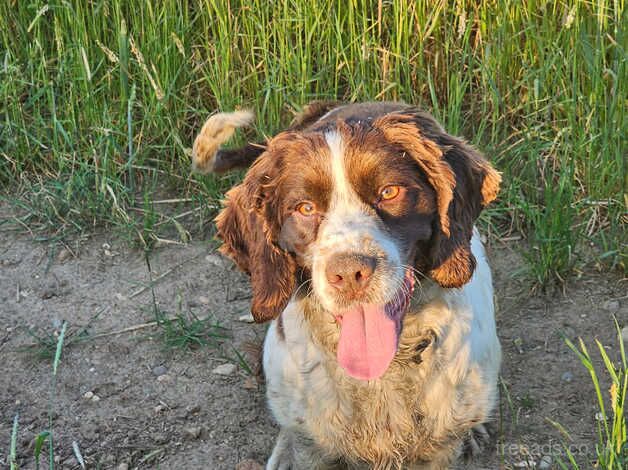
(303, 284)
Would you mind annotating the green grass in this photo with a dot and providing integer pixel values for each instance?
(13, 445)
(46, 342)
(47, 435)
(611, 450)
(186, 331)
(99, 101)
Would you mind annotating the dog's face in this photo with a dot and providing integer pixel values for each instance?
(352, 211)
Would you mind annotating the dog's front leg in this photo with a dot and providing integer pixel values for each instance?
(281, 458)
(293, 451)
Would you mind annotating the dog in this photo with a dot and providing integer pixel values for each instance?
(356, 226)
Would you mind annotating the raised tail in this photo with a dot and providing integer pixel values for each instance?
(208, 157)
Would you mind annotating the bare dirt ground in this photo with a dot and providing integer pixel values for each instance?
(130, 402)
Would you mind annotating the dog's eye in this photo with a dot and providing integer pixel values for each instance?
(306, 208)
(389, 192)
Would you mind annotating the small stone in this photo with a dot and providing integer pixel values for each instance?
(611, 305)
(624, 334)
(64, 255)
(524, 464)
(246, 318)
(18, 402)
(88, 395)
(191, 410)
(248, 464)
(599, 416)
(95, 398)
(566, 377)
(250, 383)
(216, 260)
(545, 462)
(203, 300)
(163, 378)
(123, 466)
(159, 370)
(192, 433)
(224, 369)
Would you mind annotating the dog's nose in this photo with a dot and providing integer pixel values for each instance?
(350, 273)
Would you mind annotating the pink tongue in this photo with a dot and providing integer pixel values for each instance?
(368, 342)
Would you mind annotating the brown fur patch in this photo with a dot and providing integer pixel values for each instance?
(490, 185)
(464, 182)
(477, 184)
(255, 212)
(402, 129)
(249, 228)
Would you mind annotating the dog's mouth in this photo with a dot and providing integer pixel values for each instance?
(369, 334)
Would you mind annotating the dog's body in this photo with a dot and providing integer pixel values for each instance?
(334, 222)
(417, 412)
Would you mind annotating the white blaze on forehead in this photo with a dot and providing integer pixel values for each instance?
(349, 222)
(348, 216)
(342, 190)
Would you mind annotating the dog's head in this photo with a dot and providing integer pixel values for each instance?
(358, 208)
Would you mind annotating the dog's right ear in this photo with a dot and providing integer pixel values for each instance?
(249, 227)
(464, 183)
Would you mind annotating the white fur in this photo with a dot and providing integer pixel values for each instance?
(302, 380)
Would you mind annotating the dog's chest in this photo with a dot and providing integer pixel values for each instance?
(361, 420)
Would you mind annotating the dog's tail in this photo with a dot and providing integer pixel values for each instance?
(208, 157)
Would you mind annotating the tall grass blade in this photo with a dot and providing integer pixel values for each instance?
(59, 348)
(13, 446)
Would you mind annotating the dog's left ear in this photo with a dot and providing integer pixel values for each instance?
(464, 183)
(249, 226)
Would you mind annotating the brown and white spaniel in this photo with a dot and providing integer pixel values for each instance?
(356, 226)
